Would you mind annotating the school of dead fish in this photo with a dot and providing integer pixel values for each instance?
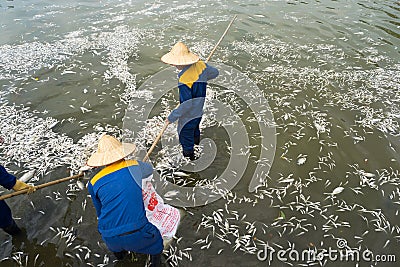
(293, 205)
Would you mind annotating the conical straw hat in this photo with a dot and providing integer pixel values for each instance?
(110, 150)
(180, 55)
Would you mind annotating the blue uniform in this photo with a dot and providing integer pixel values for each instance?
(192, 86)
(116, 192)
(8, 181)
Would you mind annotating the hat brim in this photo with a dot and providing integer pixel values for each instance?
(172, 59)
(106, 158)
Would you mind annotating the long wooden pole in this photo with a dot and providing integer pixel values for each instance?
(24, 191)
(156, 141)
(167, 123)
(220, 39)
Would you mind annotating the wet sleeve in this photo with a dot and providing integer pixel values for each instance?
(95, 200)
(212, 72)
(146, 169)
(6, 179)
(185, 97)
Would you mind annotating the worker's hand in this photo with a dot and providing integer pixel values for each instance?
(19, 185)
(31, 189)
(167, 121)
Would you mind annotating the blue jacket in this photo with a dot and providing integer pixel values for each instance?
(192, 86)
(6, 180)
(116, 192)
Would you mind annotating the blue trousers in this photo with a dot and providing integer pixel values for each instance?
(5, 215)
(188, 134)
(147, 240)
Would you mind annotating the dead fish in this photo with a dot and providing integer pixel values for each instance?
(53, 124)
(80, 185)
(181, 174)
(368, 174)
(27, 176)
(337, 190)
(67, 72)
(301, 160)
(171, 193)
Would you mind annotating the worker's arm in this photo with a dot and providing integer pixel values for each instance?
(212, 72)
(185, 97)
(7, 180)
(10, 182)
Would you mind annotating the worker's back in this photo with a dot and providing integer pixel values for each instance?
(117, 196)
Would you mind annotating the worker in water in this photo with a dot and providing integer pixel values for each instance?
(9, 181)
(116, 189)
(192, 83)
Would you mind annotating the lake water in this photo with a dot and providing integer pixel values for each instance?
(329, 71)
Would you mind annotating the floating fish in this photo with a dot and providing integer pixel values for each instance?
(80, 185)
(171, 193)
(337, 190)
(301, 161)
(181, 174)
(27, 176)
